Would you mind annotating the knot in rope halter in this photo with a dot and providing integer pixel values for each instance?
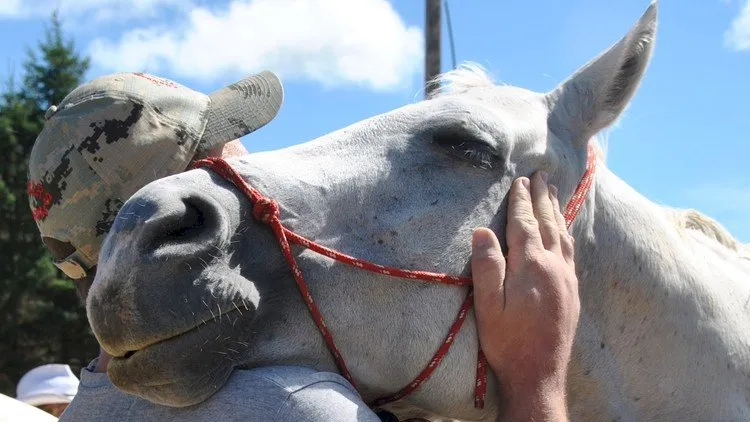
(266, 210)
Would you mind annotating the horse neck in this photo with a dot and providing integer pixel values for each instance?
(620, 234)
(645, 286)
(625, 241)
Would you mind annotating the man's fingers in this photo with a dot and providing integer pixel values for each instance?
(544, 213)
(566, 240)
(488, 275)
(561, 224)
(522, 231)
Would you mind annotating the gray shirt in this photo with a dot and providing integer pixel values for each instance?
(278, 393)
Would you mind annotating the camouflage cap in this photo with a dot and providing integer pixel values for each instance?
(112, 136)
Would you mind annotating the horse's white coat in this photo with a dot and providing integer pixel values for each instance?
(665, 295)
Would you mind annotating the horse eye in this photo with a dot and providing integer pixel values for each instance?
(466, 148)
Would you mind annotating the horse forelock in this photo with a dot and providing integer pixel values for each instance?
(467, 76)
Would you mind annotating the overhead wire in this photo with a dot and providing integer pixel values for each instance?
(450, 32)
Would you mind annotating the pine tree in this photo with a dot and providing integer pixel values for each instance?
(41, 319)
(49, 79)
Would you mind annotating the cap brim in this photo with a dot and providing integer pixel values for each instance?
(47, 398)
(241, 108)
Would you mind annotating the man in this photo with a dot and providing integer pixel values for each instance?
(114, 135)
(49, 387)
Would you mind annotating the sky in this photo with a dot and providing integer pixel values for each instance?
(684, 141)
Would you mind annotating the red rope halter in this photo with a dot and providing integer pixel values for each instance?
(266, 210)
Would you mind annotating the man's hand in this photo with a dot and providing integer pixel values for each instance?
(527, 310)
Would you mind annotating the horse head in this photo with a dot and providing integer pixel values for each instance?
(190, 286)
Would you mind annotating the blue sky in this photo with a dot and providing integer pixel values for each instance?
(684, 141)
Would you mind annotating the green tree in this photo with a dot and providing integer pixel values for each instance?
(41, 319)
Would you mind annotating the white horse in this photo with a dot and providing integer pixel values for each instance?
(190, 286)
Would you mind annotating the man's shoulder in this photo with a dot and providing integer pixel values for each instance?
(269, 388)
(292, 393)
(289, 379)
(262, 394)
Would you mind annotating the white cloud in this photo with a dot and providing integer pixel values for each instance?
(92, 10)
(10, 8)
(333, 42)
(737, 37)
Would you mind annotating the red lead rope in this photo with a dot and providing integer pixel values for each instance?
(266, 210)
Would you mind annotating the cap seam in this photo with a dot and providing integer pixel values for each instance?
(122, 95)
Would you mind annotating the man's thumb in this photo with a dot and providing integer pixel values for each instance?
(488, 274)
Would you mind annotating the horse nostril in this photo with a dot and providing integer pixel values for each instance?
(181, 222)
(187, 224)
(183, 225)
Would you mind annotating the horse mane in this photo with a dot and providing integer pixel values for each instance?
(693, 220)
(465, 77)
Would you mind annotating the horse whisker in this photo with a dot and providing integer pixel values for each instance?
(209, 309)
(235, 307)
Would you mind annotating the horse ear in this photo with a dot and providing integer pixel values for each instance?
(595, 96)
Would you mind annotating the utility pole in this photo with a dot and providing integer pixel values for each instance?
(432, 45)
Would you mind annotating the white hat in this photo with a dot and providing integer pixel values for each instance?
(47, 384)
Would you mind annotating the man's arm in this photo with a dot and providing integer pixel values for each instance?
(527, 304)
